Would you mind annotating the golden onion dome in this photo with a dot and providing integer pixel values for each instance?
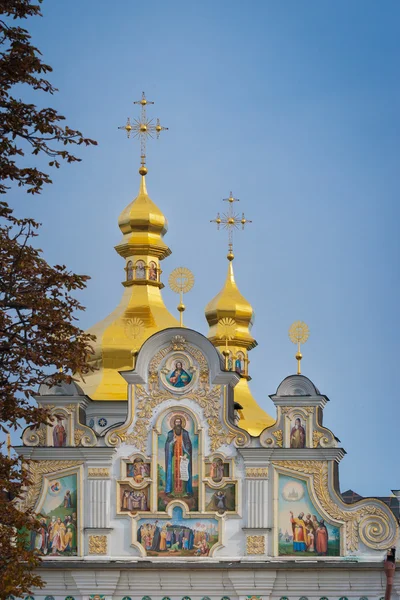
(143, 226)
(230, 303)
(230, 306)
(141, 311)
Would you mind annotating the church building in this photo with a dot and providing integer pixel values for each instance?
(161, 478)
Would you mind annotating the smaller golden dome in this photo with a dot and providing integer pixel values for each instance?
(230, 303)
(143, 226)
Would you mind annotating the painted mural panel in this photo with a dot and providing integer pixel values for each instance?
(217, 470)
(132, 500)
(178, 476)
(302, 530)
(58, 534)
(178, 536)
(138, 469)
(222, 499)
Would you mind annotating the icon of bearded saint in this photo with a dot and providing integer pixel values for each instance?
(298, 435)
(178, 459)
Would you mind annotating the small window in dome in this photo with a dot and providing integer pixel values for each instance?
(140, 270)
(152, 271)
(129, 271)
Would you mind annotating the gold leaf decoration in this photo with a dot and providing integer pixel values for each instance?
(98, 473)
(97, 544)
(257, 472)
(255, 544)
(316, 436)
(278, 435)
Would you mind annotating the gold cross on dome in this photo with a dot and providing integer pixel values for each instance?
(230, 221)
(143, 128)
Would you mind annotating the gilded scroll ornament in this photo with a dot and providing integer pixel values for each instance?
(78, 435)
(208, 399)
(316, 436)
(286, 409)
(37, 470)
(368, 522)
(255, 544)
(309, 409)
(98, 473)
(278, 435)
(97, 544)
(34, 437)
(257, 472)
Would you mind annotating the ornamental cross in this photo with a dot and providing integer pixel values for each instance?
(230, 220)
(143, 128)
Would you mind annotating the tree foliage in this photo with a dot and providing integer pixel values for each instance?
(39, 336)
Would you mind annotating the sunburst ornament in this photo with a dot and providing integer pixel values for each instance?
(134, 330)
(227, 327)
(299, 334)
(143, 128)
(181, 281)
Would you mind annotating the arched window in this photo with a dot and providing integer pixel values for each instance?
(152, 271)
(140, 269)
(129, 270)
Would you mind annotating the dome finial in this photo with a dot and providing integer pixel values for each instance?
(298, 333)
(143, 128)
(230, 319)
(181, 281)
(230, 221)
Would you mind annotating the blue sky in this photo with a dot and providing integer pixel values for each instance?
(294, 106)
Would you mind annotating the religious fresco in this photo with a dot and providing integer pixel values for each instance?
(58, 519)
(140, 269)
(217, 469)
(134, 500)
(59, 430)
(179, 377)
(239, 363)
(152, 271)
(178, 477)
(178, 536)
(138, 470)
(302, 530)
(129, 271)
(221, 499)
(297, 433)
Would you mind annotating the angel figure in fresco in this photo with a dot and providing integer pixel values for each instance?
(59, 433)
(298, 435)
(220, 501)
(178, 460)
(179, 377)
